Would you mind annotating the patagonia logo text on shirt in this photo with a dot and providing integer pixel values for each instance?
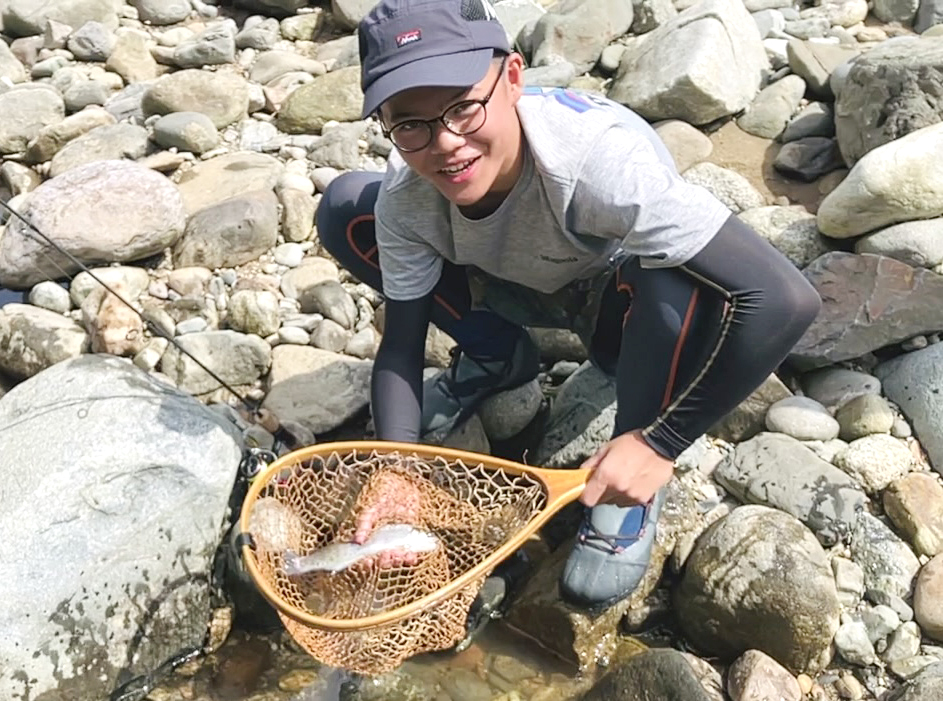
(408, 37)
(551, 259)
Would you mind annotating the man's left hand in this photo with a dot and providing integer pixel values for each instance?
(626, 471)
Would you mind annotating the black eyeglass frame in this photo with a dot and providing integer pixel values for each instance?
(430, 124)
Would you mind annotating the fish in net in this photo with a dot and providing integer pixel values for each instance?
(468, 511)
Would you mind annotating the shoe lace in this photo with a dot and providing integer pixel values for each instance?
(610, 543)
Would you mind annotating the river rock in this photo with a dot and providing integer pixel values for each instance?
(731, 188)
(162, 12)
(24, 113)
(835, 386)
(652, 674)
(334, 96)
(802, 418)
(780, 472)
(922, 686)
(773, 107)
(911, 381)
(868, 302)
(187, 131)
(111, 142)
(758, 579)
(135, 523)
(864, 415)
(792, 230)
(756, 675)
(899, 181)
(221, 95)
(749, 418)
(211, 182)
(236, 358)
(914, 504)
(108, 210)
(29, 17)
(230, 233)
(916, 243)
(581, 418)
(33, 339)
(680, 70)
(52, 138)
(875, 461)
(577, 32)
(928, 598)
(888, 562)
(886, 95)
(318, 389)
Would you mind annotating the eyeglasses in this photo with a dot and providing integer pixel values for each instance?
(463, 118)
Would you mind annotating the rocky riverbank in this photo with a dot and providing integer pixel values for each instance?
(179, 148)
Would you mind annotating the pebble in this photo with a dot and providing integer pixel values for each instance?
(293, 335)
(802, 418)
(849, 581)
(864, 415)
(193, 325)
(928, 598)
(854, 644)
(875, 461)
(52, 296)
(903, 643)
(848, 687)
(289, 254)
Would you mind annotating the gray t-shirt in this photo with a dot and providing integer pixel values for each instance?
(595, 178)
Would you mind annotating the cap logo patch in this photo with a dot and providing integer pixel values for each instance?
(408, 37)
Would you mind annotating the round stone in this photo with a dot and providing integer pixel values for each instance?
(802, 418)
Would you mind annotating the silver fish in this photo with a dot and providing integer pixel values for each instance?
(339, 556)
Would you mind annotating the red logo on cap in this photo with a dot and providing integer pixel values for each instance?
(408, 37)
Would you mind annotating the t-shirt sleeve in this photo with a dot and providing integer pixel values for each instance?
(409, 266)
(625, 191)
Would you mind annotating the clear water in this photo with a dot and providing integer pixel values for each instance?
(8, 296)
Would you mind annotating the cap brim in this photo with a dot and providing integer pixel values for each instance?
(461, 70)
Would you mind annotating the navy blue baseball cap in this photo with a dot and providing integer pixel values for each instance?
(426, 43)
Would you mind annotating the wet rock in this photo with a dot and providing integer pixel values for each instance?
(341, 385)
(162, 496)
(730, 604)
(910, 300)
(914, 505)
(777, 471)
(109, 210)
(911, 382)
(653, 674)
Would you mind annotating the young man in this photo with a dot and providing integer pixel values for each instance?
(504, 206)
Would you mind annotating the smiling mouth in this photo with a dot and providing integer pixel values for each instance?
(459, 167)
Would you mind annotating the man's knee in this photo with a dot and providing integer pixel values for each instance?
(347, 198)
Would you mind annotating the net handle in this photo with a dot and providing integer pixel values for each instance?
(563, 486)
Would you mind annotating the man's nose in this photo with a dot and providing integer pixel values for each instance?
(444, 140)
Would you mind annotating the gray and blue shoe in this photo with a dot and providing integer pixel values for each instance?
(611, 554)
(452, 396)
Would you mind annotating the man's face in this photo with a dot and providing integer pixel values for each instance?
(466, 168)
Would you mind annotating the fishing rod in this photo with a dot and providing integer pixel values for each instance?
(263, 417)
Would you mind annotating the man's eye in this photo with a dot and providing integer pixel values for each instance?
(407, 127)
(464, 108)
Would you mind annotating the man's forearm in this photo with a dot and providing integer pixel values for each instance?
(770, 304)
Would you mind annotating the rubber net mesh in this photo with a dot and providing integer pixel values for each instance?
(471, 510)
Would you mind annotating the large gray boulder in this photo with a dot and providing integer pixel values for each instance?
(885, 95)
(108, 210)
(578, 30)
(115, 490)
(706, 63)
